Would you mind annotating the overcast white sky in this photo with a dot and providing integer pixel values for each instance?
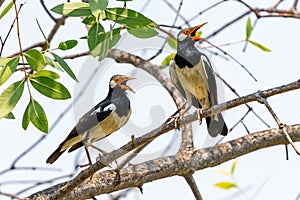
(265, 171)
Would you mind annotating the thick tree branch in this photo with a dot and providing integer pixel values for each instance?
(180, 164)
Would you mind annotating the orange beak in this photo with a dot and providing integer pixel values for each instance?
(192, 32)
(123, 85)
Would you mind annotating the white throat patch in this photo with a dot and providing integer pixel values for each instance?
(181, 37)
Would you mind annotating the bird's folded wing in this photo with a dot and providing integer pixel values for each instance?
(212, 85)
(92, 118)
(175, 79)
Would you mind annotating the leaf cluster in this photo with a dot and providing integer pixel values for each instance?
(96, 12)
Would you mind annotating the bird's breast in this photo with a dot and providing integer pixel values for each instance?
(194, 81)
(107, 126)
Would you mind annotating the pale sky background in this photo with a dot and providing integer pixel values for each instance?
(151, 104)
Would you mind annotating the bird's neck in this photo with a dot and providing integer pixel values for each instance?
(116, 92)
(118, 97)
(188, 54)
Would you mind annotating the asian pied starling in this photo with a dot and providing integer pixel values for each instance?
(105, 118)
(193, 75)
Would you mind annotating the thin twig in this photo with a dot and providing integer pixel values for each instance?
(192, 183)
(9, 31)
(59, 23)
(38, 183)
(294, 8)
(27, 168)
(205, 10)
(288, 137)
(13, 196)
(277, 4)
(235, 92)
(219, 30)
(241, 120)
(174, 9)
(234, 59)
(47, 11)
(262, 99)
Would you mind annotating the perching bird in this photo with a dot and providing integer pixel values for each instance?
(193, 75)
(105, 118)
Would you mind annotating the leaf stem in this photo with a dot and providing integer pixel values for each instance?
(20, 44)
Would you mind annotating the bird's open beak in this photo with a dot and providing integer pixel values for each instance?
(123, 84)
(193, 30)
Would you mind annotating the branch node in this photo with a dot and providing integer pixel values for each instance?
(133, 141)
(260, 97)
(117, 180)
(141, 189)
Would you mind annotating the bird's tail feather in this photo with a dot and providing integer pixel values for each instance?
(216, 125)
(55, 155)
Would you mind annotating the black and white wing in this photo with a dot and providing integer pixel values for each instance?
(97, 114)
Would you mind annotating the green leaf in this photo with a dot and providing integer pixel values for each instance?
(172, 42)
(248, 28)
(8, 69)
(114, 36)
(10, 116)
(104, 46)
(10, 97)
(168, 59)
(224, 172)
(96, 35)
(225, 185)
(144, 32)
(199, 33)
(73, 9)
(260, 46)
(38, 116)
(47, 42)
(3, 61)
(97, 6)
(66, 45)
(26, 118)
(129, 18)
(47, 73)
(89, 20)
(233, 166)
(65, 66)
(50, 87)
(35, 59)
(101, 49)
(111, 39)
(52, 63)
(6, 9)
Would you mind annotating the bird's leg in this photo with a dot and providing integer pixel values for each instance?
(199, 115)
(177, 118)
(88, 156)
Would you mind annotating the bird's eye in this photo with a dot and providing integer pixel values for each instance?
(186, 32)
(117, 79)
